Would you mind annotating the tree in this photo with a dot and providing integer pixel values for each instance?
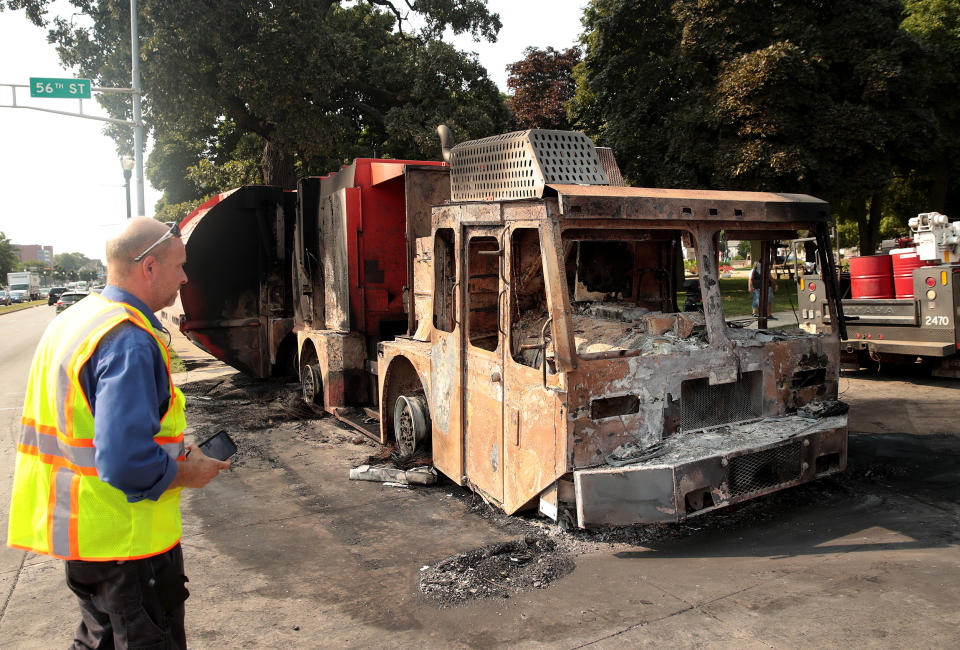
(809, 96)
(9, 257)
(936, 25)
(542, 84)
(312, 82)
(69, 262)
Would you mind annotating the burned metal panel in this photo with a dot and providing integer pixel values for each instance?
(556, 285)
(688, 205)
(307, 277)
(342, 360)
(424, 188)
(446, 410)
(704, 470)
(710, 286)
(422, 283)
(624, 496)
(483, 421)
(467, 213)
(657, 381)
(236, 262)
(533, 435)
(336, 255)
(390, 386)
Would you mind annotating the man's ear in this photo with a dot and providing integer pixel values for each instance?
(147, 265)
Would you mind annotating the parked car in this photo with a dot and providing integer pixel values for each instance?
(19, 295)
(55, 293)
(5, 297)
(70, 298)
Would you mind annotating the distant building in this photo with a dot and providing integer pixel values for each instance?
(97, 267)
(37, 252)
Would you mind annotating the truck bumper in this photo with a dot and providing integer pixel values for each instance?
(696, 472)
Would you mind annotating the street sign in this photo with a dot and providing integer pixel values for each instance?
(60, 88)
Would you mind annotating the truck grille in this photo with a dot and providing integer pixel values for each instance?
(703, 405)
(765, 469)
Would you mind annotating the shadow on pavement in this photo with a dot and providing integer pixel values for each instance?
(899, 493)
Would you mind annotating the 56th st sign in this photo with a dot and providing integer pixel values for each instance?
(60, 88)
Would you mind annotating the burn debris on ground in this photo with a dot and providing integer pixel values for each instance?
(495, 571)
(237, 401)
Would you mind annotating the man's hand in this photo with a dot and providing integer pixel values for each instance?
(197, 469)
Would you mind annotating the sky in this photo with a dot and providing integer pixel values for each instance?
(61, 183)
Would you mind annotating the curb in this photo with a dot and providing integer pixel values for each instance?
(20, 308)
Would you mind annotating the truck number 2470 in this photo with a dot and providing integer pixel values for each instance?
(937, 320)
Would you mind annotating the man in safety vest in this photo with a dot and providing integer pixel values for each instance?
(101, 461)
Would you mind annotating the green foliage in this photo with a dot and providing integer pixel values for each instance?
(826, 98)
(804, 96)
(543, 85)
(847, 232)
(9, 257)
(744, 248)
(69, 262)
(936, 25)
(311, 84)
(35, 266)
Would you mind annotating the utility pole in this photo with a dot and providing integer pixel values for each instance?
(137, 117)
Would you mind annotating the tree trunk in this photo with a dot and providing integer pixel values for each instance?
(277, 166)
(938, 195)
(858, 206)
(873, 225)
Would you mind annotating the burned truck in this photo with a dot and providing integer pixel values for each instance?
(514, 310)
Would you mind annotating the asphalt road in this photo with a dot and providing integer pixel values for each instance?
(284, 551)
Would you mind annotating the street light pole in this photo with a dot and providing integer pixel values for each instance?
(126, 162)
(137, 117)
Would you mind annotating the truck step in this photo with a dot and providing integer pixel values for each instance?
(359, 420)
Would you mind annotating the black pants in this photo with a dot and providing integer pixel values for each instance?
(133, 604)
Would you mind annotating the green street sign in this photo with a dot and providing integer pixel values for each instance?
(60, 88)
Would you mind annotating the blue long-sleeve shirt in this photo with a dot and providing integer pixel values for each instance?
(125, 382)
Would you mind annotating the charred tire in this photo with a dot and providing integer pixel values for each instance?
(312, 385)
(411, 424)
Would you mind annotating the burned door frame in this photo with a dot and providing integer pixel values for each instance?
(482, 373)
(534, 445)
(446, 361)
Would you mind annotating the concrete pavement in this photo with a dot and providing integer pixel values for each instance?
(285, 551)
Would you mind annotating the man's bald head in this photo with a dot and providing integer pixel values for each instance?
(139, 234)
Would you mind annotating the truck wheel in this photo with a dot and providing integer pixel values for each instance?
(411, 424)
(312, 385)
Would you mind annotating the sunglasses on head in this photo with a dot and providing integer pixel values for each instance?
(173, 232)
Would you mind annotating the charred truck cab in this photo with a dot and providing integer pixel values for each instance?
(516, 311)
(556, 367)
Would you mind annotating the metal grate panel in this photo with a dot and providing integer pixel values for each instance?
(703, 405)
(518, 165)
(765, 469)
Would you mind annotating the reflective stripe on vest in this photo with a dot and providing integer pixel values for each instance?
(60, 506)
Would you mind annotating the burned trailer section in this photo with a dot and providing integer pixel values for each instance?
(238, 303)
(360, 229)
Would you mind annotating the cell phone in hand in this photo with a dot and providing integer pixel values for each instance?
(219, 446)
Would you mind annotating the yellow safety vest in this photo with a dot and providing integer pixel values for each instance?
(60, 507)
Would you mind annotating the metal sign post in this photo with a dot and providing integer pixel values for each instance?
(137, 117)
